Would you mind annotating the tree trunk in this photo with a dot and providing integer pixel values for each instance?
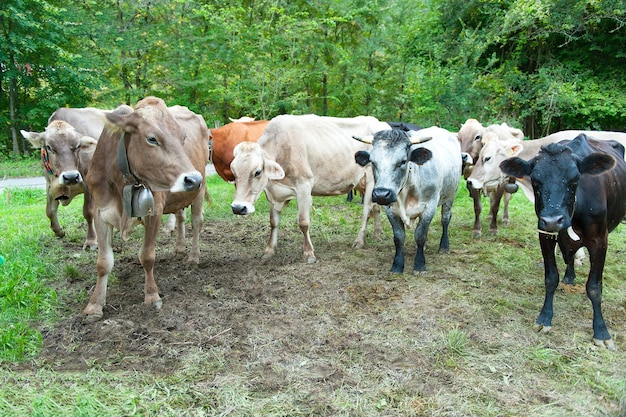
(12, 105)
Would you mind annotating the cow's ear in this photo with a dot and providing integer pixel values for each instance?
(596, 163)
(362, 158)
(421, 155)
(87, 144)
(273, 170)
(35, 139)
(515, 150)
(516, 167)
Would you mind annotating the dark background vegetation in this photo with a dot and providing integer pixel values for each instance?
(543, 66)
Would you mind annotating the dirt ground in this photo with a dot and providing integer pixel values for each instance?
(344, 322)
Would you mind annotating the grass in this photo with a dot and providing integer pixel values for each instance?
(485, 362)
(14, 167)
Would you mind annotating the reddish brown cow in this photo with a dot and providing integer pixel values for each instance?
(165, 160)
(225, 139)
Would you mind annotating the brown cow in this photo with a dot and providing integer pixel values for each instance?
(165, 160)
(226, 137)
(65, 157)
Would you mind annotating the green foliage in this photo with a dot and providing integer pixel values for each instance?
(545, 65)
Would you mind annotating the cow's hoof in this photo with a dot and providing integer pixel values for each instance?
(358, 245)
(59, 233)
(476, 234)
(90, 246)
(92, 318)
(419, 272)
(493, 232)
(311, 260)
(605, 344)
(542, 328)
(195, 260)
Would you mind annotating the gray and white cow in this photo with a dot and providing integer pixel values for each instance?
(412, 181)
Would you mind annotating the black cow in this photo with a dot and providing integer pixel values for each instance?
(580, 196)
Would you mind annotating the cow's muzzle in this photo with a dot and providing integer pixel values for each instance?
(384, 196)
(553, 223)
(70, 178)
(188, 182)
(241, 208)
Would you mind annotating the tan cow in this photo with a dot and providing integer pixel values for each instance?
(299, 157)
(65, 157)
(470, 137)
(160, 170)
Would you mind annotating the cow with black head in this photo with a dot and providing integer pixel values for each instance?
(580, 196)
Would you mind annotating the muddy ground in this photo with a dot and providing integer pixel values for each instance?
(344, 321)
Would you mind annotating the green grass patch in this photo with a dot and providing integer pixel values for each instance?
(14, 167)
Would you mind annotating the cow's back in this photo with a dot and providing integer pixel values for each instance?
(313, 148)
(88, 121)
(441, 174)
(226, 137)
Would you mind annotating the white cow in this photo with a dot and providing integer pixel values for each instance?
(299, 157)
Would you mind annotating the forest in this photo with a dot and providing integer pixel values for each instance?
(540, 65)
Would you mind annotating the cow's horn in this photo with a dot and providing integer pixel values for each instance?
(419, 139)
(365, 139)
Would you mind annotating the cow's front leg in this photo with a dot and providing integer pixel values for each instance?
(89, 212)
(197, 219)
(551, 280)
(495, 197)
(273, 239)
(180, 231)
(305, 201)
(597, 257)
(397, 225)
(446, 216)
(478, 207)
(52, 207)
(104, 265)
(421, 235)
(147, 257)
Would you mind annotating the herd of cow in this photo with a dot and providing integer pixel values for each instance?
(135, 164)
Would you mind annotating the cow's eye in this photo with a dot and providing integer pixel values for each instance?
(487, 158)
(49, 148)
(152, 141)
(478, 137)
(257, 173)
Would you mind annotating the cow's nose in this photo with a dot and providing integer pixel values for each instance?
(472, 183)
(71, 177)
(552, 223)
(192, 182)
(239, 208)
(383, 196)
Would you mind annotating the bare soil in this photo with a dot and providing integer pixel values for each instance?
(284, 325)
